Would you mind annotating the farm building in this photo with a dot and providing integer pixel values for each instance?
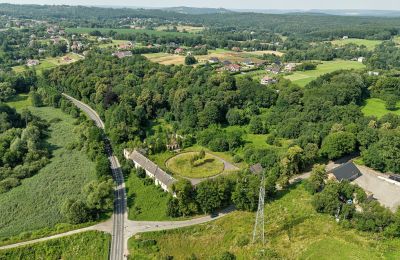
(213, 60)
(160, 177)
(347, 171)
(232, 68)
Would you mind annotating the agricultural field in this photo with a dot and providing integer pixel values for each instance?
(87, 245)
(370, 44)
(221, 54)
(376, 107)
(202, 168)
(145, 202)
(50, 63)
(84, 30)
(41, 196)
(397, 39)
(181, 28)
(302, 78)
(293, 231)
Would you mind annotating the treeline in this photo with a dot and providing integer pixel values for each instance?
(304, 25)
(23, 149)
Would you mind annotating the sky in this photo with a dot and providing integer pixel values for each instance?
(232, 4)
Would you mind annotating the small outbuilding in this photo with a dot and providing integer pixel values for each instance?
(256, 168)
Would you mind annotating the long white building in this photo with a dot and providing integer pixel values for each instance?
(160, 177)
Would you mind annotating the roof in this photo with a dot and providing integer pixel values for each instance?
(256, 168)
(151, 167)
(347, 171)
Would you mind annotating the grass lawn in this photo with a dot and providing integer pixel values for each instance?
(19, 101)
(84, 30)
(207, 167)
(302, 78)
(87, 245)
(397, 39)
(49, 63)
(181, 28)
(36, 203)
(370, 44)
(293, 230)
(376, 107)
(166, 58)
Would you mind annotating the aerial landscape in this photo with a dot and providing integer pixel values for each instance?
(187, 130)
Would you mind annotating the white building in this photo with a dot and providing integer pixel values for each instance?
(160, 177)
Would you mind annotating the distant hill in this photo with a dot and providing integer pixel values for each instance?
(194, 10)
(349, 12)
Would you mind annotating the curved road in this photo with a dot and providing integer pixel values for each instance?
(117, 251)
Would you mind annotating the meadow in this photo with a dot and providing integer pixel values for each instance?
(49, 63)
(206, 167)
(87, 245)
(376, 107)
(302, 78)
(293, 230)
(370, 44)
(33, 208)
(221, 54)
(181, 28)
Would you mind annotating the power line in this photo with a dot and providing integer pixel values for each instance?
(258, 232)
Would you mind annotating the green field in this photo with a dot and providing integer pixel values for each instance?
(87, 245)
(49, 63)
(207, 167)
(293, 231)
(145, 202)
(35, 204)
(85, 30)
(302, 78)
(370, 44)
(19, 101)
(376, 107)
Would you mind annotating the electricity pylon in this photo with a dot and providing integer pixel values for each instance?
(258, 232)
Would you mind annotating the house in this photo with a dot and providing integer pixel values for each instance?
(50, 30)
(61, 32)
(55, 39)
(160, 177)
(361, 59)
(179, 51)
(237, 49)
(127, 45)
(267, 80)
(248, 63)
(122, 54)
(213, 60)
(226, 62)
(345, 37)
(233, 68)
(31, 63)
(290, 67)
(373, 73)
(256, 168)
(273, 69)
(347, 171)
(41, 51)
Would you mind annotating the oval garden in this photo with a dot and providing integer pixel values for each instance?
(195, 165)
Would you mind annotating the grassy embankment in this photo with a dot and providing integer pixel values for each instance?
(87, 245)
(376, 107)
(293, 231)
(302, 78)
(33, 208)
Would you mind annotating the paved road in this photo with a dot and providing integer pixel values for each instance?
(117, 251)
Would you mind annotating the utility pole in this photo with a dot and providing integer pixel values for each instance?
(258, 232)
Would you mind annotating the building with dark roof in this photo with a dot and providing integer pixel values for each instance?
(347, 171)
(160, 177)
